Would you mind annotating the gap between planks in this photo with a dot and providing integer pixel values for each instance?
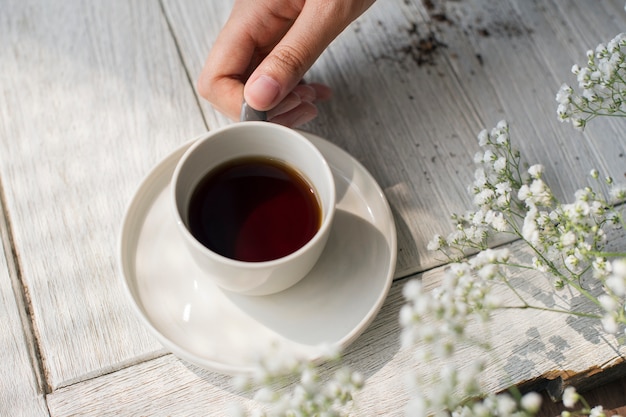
(22, 298)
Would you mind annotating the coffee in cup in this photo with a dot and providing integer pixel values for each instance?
(254, 209)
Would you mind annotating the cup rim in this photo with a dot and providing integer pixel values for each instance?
(319, 234)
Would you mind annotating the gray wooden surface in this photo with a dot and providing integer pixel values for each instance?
(93, 94)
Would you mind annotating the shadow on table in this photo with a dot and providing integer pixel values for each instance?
(548, 361)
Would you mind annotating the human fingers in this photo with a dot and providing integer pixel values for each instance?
(313, 92)
(299, 114)
(319, 22)
(242, 43)
(289, 103)
(222, 77)
(322, 91)
(303, 113)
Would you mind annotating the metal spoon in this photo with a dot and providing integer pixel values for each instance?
(248, 114)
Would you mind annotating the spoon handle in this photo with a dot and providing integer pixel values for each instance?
(248, 114)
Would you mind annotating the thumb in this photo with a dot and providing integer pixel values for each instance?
(284, 67)
(277, 75)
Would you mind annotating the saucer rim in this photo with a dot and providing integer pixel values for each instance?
(137, 203)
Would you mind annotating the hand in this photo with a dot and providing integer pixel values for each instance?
(264, 50)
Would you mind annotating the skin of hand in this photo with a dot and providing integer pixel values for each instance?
(264, 50)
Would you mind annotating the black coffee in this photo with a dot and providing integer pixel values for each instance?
(254, 209)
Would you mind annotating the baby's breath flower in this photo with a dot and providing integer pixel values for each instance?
(497, 221)
(572, 262)
(618, 193)
(480, 178)
(540, 194)
(531, 402)
(265, 395)
(503, 188)
(567, 241)
(483, 138)
(435, 243)
(601, 83)
(609, 323)
(608, 303)
(564, 95)
(578, 123)
(310, 396)
(500, 164)
(597, 411)
(530, 231)
(524, 192)
(570, 397)
(502, 139)
(536, 171)
(616, 282)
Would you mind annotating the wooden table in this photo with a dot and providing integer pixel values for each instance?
(94, 94)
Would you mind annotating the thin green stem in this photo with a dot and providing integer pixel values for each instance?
(527, 306)
(610, 254)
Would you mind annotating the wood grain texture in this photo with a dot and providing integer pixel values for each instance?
(530, 346)
(94, 94)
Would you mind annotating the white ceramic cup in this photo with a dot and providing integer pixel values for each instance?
(254, 139)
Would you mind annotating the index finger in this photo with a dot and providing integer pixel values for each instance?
(226, 69)
(251, 31)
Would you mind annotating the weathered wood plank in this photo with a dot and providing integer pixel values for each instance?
(21, 393)
(94, 95)
(528, 346)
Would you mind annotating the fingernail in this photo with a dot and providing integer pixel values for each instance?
(262, 92)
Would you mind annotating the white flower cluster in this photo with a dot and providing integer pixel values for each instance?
(501, 405)
(568, 241)
(310, 394)
(434, 323)
(602, 84)
(568, 237)
(495, 181)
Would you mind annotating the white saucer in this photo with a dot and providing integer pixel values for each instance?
(225, 332)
